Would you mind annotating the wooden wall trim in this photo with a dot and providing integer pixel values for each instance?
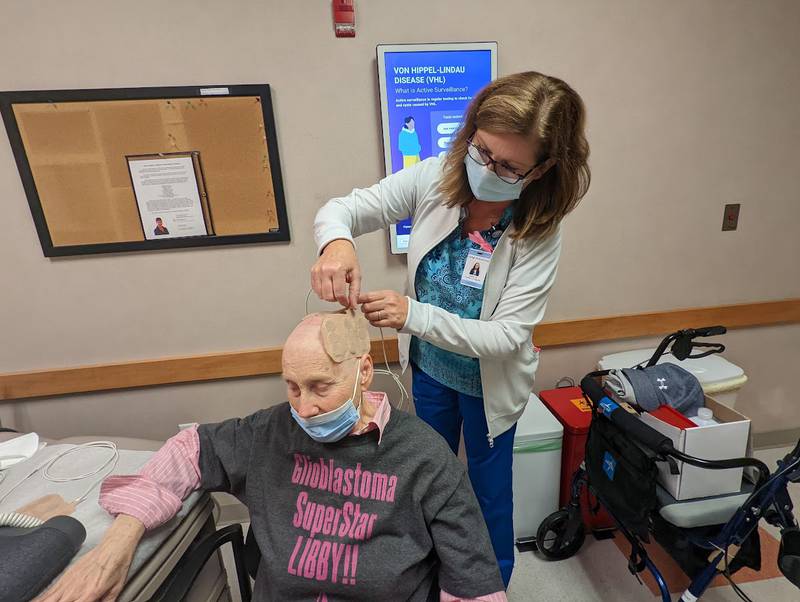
(571, 332)
(260, 362)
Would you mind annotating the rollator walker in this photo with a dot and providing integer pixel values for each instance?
(705, 536)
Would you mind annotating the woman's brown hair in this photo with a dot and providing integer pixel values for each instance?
(530, 104)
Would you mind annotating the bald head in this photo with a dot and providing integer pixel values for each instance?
(315, 383)
(305, 340)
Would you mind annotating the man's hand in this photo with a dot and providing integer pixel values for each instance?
(334, 270)
(100, 574)
(385, 309)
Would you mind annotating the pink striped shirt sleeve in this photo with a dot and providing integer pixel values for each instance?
(495, 597)
(155, 494)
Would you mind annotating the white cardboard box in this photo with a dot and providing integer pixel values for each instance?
(728, 439)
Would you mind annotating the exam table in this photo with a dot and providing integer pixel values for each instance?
(160, 550)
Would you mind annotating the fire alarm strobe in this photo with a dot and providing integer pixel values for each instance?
(344, 18)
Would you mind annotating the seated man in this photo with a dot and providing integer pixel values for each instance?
(348, 497)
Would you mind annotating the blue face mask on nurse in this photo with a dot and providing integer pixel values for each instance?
(492, 180)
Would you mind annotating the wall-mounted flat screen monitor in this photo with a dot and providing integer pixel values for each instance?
(424, 91)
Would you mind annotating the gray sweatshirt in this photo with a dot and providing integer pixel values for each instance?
(352, 520)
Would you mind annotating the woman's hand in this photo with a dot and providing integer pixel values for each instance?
(101, 573)
(334, 270)
(385, 309)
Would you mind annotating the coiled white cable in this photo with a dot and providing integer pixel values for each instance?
(112, 461)
(47, 472)
(21, 521)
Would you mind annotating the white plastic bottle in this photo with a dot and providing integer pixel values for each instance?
(705, 417)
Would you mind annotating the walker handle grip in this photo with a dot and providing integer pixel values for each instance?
(710, 331)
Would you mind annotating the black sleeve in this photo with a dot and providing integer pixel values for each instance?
(468, 565)
(225, 454)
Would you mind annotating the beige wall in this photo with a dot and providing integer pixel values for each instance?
(692, 104)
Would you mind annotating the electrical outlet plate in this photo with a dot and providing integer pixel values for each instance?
(730, 218)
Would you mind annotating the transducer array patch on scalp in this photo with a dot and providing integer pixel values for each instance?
(345, 335)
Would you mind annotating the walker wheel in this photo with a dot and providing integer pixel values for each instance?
(553, 539)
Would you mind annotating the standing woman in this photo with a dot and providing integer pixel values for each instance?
(517, 166)
(408, 142)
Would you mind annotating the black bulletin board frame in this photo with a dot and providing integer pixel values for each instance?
(9, 98)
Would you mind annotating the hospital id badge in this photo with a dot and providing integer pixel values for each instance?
(475, 268)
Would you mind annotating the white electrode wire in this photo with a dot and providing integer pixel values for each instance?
(21, 481)
(403, 393)
(47, 473)
(308, 296)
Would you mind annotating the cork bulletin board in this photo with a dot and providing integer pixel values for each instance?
(110, 170)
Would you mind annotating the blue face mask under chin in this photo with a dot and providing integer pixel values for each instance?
(334, 425)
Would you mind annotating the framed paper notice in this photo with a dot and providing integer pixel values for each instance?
(169, 195)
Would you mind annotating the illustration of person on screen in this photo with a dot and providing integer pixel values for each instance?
(160, 228)
(476, 270)
(408, 142)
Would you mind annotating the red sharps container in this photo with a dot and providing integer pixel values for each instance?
(573, 411)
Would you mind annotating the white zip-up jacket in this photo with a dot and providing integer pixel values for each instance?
(520, 275)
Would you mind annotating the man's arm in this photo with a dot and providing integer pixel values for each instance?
(102, 572)
(150, 498)
(155, 494)
(140, 502)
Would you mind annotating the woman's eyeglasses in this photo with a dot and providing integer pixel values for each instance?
(501, 169)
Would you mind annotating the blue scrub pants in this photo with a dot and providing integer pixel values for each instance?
(446, 410)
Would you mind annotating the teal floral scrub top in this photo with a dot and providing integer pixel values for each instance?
(438, 282)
